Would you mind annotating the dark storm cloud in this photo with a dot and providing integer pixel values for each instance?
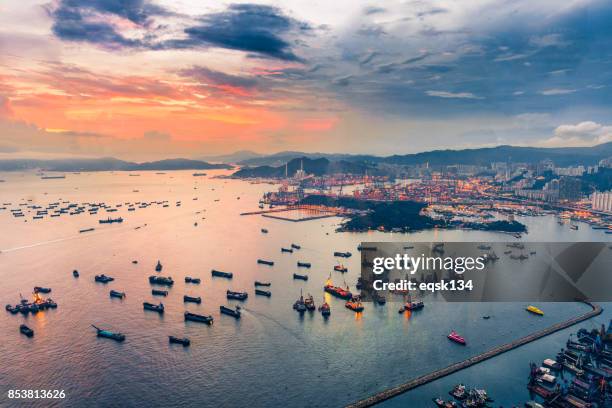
(204, 74)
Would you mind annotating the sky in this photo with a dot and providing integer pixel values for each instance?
(149, 79)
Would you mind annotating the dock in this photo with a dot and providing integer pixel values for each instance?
(453, 368)
(315, 212)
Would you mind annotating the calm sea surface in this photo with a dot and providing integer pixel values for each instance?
(270, 357)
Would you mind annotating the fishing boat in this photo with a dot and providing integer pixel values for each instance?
(264, 262)
(189, 279)
(264, 231)
(109, 334)
(303, 264)
(340, 268)
(117, 294)
(39, 289)
(192, 299)
(220, 274)
(354, 304)
(158, 292)
(456, 338)
(199, 318)
(153, 307)
(300, 277)
(26, 330)
(309, 303)
(296, 246)
(299, 304)
(230, 312)
(534, 310)
(160, 280)
(337, 291)
(158, 267)
(263, 292)
(75, 273)
(289, 250)
(343, 254)
(178, 340)
(325, 309)
(103, 278)
(236, 295)
(258, 283)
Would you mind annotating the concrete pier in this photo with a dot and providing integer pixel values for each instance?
(453, 368)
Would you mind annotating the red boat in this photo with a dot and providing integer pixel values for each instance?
(456, 338)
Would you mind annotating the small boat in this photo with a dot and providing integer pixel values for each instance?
(236, 295)
(154, 308)
(264, 231)
(158, 267)
(444, 404)
(38, 289)
(192, 299)
(117, 294)
(230, 312)
(158, 292)
(343, 254)
(533, 404)
(109, 334)
(264, 262)
(456, 338)
(299, 304)
(160, 280)
(459, 392)
(85, 230)
(340, 268)
(263, 292)
(26, 330)
(189, 279)
(199, 318)
(178, 340)
(309, 303)
(300, 277)
(534, 310)
(258, 283)
(354, 304)
(103, 278)
(296, 246)
(412, 306)
(325, 309)
(220, 274)
(289, 250)
(75, 273)
(303, 264)
(486, 317)
(134, 262)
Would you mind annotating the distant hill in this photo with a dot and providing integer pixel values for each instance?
(236, 157)
(318, 167)
(106, 164)
(280, 158)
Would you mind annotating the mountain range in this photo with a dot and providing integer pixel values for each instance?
(106, 164)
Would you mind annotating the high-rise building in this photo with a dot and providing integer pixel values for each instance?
(602, 201)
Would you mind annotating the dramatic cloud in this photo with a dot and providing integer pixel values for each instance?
(587, 131)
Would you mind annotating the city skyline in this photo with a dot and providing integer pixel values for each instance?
(144, 80)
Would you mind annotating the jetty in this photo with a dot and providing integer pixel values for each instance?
(453, 368)
(314, 212)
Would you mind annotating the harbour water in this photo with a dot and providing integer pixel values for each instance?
(271, 356)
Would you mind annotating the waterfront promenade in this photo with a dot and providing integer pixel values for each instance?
(453, 368)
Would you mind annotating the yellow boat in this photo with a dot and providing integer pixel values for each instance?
(534, 310)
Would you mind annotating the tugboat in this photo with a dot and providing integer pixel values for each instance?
(258, 283)
(354, 304)
(189, 279)
(230, 312)
(453, 336)
(325, 309)
(158, 292)
(534, 310)
(296, 246)
(220, 274)
(264, 262)
(177, 340)
(160, 280)
(300, 277)
(26, 330)
(199, 318)
(103, 278)
(237, 295)
(117, 294)
(303, 264)
(39, 289)
(158, 267)
(309, 303)
(263, 292)
(75, 273)
(154, 308)
(192, 299)
(109, 334)
(340, 268)
(411, 305)
(299, 304)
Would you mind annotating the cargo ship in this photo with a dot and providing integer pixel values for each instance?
(220, 274)
(199, 318)
(110, 220)
(160, 280)
(230, 312)
(337, 291)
